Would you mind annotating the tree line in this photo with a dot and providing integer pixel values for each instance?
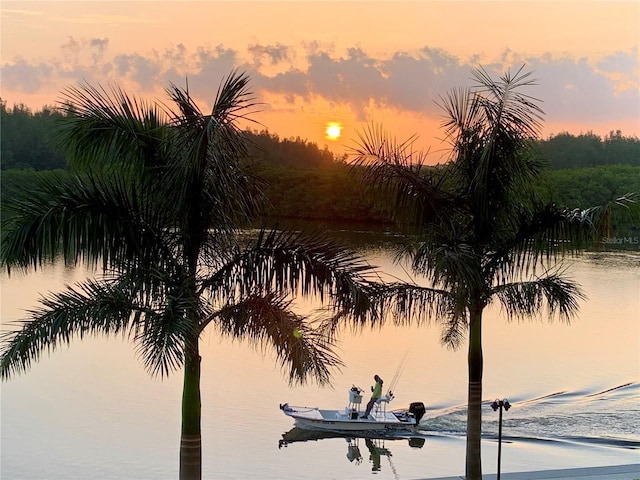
(302, 181)
(28, 141)
(590, 150)
(333, 193)
(27, 138)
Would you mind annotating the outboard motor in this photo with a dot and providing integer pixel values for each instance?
(418, 409)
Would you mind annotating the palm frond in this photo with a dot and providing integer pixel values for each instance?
(91, 218)
(527, 300)
(454, 330)
(103, 127)
(461, 118)
(163, 335)
(91, 308)
(414, 304)
(492, 127)
(266, 320)
(551, 232)
(398, 172)
(289, 262)
(417, 305)
(207, 174)
(447, 257)
(509, 113)
(602, 217)
(533, 238)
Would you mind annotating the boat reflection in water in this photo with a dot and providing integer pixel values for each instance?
(375, 444)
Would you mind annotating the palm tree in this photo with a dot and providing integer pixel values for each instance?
(157, 207)
(479, 233)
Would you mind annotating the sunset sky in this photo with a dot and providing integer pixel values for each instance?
(349, 62)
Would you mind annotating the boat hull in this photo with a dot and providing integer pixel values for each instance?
(346, 421)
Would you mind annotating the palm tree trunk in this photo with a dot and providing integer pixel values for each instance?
(191, 440)
(474, 401)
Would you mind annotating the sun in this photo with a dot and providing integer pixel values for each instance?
(333, 131)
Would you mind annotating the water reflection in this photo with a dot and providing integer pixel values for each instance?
(375, 445)
(575, 391)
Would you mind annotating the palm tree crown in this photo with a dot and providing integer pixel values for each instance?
(479, 232)
(157, 202)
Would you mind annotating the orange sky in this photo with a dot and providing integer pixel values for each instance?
(352, 62)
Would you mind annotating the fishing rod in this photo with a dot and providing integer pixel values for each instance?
(399, 371)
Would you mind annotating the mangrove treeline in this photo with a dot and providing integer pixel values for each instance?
(303, 181)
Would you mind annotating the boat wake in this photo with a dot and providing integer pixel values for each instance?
(604, 417)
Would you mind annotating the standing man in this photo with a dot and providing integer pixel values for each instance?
(376, 394)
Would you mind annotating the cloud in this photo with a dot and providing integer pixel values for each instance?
(207, 68)
(99, 47)
(620, 62)
(26, 77)
(292, 84)
(353, 80)
(144, 71)
(71, 50)
(76, 52)
(273, 54)
(336, 80)
(406, 81)
(574, 90)
(418, 79)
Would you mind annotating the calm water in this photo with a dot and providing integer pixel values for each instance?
(90, 411)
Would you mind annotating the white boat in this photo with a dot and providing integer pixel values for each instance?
(351, 419)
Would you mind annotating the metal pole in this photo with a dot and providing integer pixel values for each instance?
(500, 404)
(499, 440)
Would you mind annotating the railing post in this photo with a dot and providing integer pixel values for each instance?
(499, 405)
